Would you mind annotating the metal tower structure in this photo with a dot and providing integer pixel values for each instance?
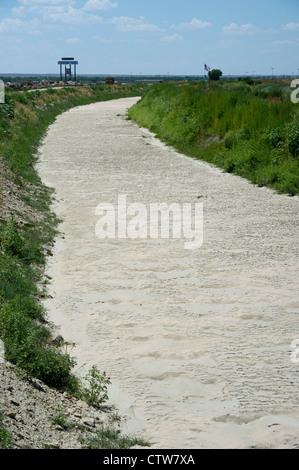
(68, 62)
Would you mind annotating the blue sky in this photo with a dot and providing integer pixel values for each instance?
(173, 37)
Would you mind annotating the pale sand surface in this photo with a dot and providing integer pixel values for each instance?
(197, 342)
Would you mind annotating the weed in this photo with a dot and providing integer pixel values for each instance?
(6, 439)
(12, 241)
(293, 135)
(111, 438)
(95, 393)
(59, 418)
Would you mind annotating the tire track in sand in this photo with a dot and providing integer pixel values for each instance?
(197, 342)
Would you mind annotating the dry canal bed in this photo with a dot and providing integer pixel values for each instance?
(198, 343)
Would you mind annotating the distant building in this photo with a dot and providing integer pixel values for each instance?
(109, 81)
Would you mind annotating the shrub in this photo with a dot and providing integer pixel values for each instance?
(12, 241)
(25, 344)
(96, 391)
(54, 368)
(230, 140)
(248, 80)
(22, 97)
(275, 136)
(7, 108)
(215, 74)
(293, 135)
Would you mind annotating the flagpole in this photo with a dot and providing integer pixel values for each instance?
(206, 68)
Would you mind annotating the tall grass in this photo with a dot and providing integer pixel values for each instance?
(250, 131)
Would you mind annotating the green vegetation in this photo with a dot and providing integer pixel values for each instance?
(215, 74)
(110, 438)
(60, 419)
(5, 437)
(25, 240)
(250, 130)
(23, 329)
(106, 436)
(96, 391)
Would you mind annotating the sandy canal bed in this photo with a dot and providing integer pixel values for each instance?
(199, 344)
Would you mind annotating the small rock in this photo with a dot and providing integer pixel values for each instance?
(15, 402)
(58, 340)
(59, 428)
(27, 446)
(89, 422)
(53, 445)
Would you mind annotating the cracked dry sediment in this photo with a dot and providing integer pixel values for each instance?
(197, 343)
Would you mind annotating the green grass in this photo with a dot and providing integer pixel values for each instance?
(252, 131)
(111, 438)
(105, 437)
(23, 329)
(6, 439)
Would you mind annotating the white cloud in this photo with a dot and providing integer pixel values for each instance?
(224, 44)
(73, 41)
(126, 24)
(19, 11)
(64, 12)
(46, 2)
(233, 28)
(69, 15)
(8, 25)
(174, 37)
(193, 24)
(290, 26)
(284, 42)
(108, 41)
(94, 5)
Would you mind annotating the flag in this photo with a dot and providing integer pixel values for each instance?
(207, 68)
